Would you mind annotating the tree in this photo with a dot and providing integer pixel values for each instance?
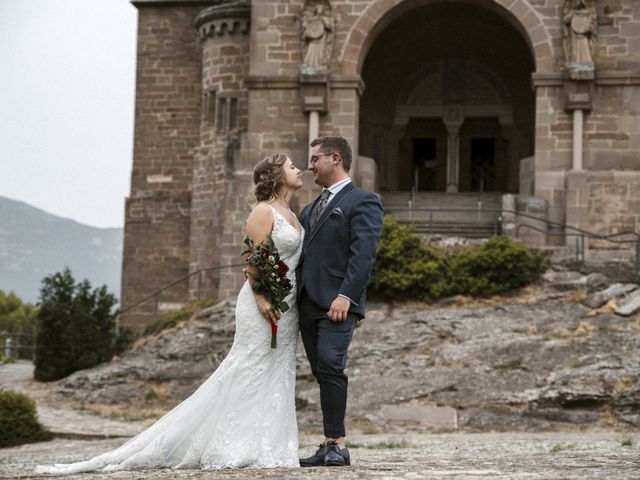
(76, 328)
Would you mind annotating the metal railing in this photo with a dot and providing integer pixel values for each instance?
(561, 229)
(496, 220)
(156, 294)
(16, 345)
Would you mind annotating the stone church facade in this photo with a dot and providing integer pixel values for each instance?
(539, 99)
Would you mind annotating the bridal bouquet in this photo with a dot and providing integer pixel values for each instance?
(271, 279)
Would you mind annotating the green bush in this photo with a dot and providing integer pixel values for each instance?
(407, 269)
(18, 320)
(495, 267)
(76, 328)
(19, 420)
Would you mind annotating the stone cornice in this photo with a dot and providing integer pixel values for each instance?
(291, 82)
(618, 78)
(348, 81)
(225, 17)
(612, 77)
(260, 82)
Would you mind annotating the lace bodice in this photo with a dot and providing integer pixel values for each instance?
(288, 242)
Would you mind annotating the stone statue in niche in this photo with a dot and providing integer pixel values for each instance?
(317, 36)
(580, 32)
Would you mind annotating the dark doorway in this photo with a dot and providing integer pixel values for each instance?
(483, 164)
(425, 163)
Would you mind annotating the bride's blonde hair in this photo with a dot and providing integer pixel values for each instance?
(268, 176)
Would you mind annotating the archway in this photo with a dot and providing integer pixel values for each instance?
(448, 102)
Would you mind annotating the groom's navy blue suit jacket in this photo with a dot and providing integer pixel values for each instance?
(339, 253)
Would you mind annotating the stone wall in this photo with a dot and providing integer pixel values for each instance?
(167, 123)
(613, 205)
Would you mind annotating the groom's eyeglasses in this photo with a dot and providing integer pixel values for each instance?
(315, 158)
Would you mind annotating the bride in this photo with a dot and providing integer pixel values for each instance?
(244, 414)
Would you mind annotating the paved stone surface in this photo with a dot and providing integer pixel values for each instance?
(583, 456)
(56, 418)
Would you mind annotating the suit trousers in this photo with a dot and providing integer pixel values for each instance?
(326, 344)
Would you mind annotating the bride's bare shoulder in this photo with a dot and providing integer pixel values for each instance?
(261, 215)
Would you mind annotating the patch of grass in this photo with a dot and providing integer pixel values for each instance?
(385, 445)
(4, 461)
(626, 442)
(171, 319)
(558, 447)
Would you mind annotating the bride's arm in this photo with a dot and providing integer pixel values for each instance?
(259, 225)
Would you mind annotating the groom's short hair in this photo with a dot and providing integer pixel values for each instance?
(335, 144)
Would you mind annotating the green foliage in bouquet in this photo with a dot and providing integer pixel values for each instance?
(271, 278)
(76, 327)
(407, 269)
(19, 420)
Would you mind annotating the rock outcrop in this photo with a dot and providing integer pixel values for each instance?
(538, 360)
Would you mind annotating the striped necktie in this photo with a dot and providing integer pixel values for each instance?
(320, 206)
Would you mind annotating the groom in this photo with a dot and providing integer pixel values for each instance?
(342, 230)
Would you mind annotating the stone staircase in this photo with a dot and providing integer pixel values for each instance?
(449, 215)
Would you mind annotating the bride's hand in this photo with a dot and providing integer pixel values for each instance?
(264, 306)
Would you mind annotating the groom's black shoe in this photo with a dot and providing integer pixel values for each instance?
(317, 459)
(336, 456)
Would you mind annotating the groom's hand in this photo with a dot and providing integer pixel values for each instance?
(339, 309)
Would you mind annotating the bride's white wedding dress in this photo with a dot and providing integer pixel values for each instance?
(244, 414)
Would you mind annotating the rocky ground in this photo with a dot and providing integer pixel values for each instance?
(544, 383)
(553, 356)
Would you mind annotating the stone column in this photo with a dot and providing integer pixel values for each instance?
(578, 101)
(453, 124)
(578, 128)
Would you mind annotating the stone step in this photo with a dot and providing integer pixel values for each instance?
(440, 201)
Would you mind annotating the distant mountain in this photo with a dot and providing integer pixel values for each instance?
(34, 244)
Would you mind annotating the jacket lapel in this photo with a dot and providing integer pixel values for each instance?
(333, 204)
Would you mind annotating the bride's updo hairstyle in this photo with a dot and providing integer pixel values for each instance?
(268, 176)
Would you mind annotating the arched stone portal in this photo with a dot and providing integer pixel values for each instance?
(448, 102)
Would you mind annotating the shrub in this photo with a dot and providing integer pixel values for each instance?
(407, 269)
(19, 420)
(76, 328)
(495, 267)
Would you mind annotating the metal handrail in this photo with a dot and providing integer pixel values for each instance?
(183, 279)
(568, 230)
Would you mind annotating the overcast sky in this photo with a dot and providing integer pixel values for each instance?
(67, 86)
